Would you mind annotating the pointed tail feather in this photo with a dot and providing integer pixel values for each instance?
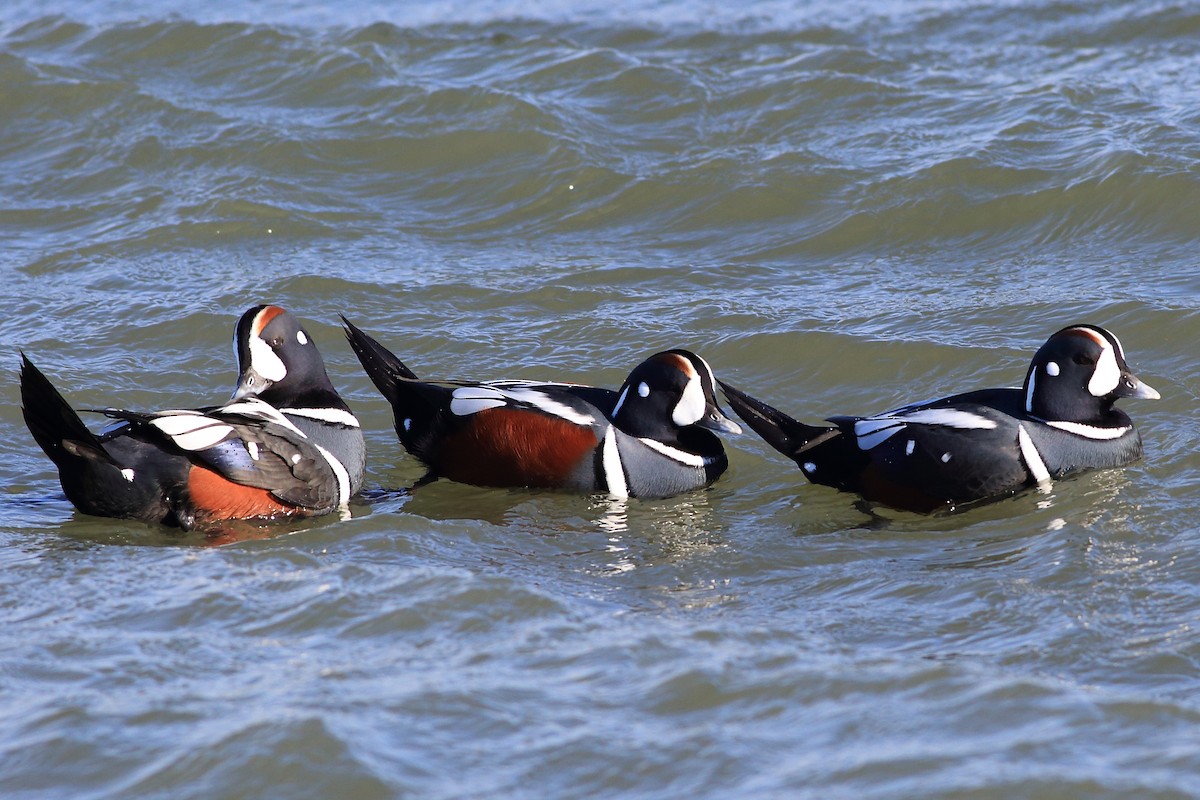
(55, 426)
(778, 429)
(384, 369)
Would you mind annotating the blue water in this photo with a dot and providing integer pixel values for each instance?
(842, 207)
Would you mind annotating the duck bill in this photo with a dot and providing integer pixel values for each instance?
(714, 419)
(1131, 386)
(251, 384)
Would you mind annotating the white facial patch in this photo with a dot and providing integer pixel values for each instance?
(690, 408)
(643, 390)
(1052, 369)
(810, 466)
(301, 338)
(909, 447)
(127, 474)
(1106, 375)
(264, 361)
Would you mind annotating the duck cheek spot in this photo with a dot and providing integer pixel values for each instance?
(1052, 369)
(301, 338)
(643, 390)
(810, 467)
(946, 458)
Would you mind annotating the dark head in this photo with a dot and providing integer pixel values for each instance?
(1078, 374)
(668, 392)
(278, 361)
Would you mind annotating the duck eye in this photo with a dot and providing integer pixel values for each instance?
(276, 343)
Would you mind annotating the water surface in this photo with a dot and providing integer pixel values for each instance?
(842, 207)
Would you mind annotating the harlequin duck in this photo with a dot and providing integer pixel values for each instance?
(976, 446)
(285, 444)
(651, 438)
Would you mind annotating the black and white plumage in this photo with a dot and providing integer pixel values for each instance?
(285, 445)
(651, 438)
(979, 445)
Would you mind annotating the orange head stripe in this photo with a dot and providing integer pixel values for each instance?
(1086, 334)
(215, 497)
(512, 447)
(678, 362)
(263, 319)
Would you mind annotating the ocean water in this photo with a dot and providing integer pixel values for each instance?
(841, 206)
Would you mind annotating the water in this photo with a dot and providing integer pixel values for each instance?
(842, 207)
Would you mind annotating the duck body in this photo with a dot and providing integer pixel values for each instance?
(189, 468)
(975, 446)
(563, 436)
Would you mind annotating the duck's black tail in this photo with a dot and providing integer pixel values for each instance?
(779, 430)
(385, 370)
(54, 424)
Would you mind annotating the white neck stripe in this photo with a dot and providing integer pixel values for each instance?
(675, 454)
(1089, 431)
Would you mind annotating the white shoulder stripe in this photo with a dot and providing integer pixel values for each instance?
(339, 471)
(1033, 459)
(614, 472)
(1089, 431)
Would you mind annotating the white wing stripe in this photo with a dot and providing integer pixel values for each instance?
(466, 406)
(334, 415)
(190, 432)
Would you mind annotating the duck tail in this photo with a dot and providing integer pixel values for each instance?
(55, 426)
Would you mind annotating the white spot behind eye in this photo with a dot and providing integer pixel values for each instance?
(1052, 369)
(127, 474)
(909, 447)
(810, 466)
(643, 389)
(301, 338)
(945, 458)
(408, 424)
